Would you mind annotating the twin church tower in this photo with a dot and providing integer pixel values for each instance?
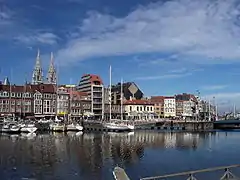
(37, 76)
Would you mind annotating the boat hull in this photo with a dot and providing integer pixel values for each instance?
(14, 130)
(58, 128)
(73, 127)
(29, 129)
(113, 127)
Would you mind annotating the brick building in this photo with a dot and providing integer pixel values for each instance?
(28, 100)
(80, 105)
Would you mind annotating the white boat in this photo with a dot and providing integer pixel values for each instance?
(44, 121)
(14, 128)
(116, 127)
(29, 128)
(74, 127)
(5, 128)
(131, 127)
(57, 127)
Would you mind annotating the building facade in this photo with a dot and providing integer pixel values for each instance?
(158, 105)
(115, 108)
(80, 105)
(179, 108)
(93, 86)
(130, 91)
(28, 100)
(189, 103)
(63, 101)
(169, 107)
(139, 109)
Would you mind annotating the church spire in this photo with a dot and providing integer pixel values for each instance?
(37, 77)
(51, 77)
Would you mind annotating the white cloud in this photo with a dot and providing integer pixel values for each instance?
(165, 76)
(214, 87)
(44, 38)
(203, 31)
(180, 70)
(5, 17)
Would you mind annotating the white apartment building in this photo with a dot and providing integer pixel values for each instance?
(169, 107)
(139, 109)
(187, 108)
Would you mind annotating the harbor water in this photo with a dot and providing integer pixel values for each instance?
(93, 156)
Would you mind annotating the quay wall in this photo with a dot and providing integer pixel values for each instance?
(167, 125)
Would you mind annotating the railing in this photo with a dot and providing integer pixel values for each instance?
(120, 174)
(226, 176)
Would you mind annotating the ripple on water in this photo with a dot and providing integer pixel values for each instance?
(94, 155)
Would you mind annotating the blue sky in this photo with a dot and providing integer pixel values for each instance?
(166, 47)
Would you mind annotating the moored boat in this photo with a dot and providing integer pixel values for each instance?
(14, 128)
(131, 127)
(116, 127)
(74, 127)
(29, 128)
(5, 128)
(59, 127)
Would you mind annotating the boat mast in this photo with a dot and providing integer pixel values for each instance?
(10, 94)
(216, 113)
(110, 93)
(70, 105)
(57, 79)
(234, 111)
(24, 98)
(121, 99)
(209, 114)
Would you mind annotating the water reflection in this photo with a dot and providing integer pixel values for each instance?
(92, 156)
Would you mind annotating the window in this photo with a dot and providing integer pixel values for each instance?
(12, 94)
(5, 94)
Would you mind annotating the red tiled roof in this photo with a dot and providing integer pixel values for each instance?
(94, 78)
(43, 88)
(137, 102)
(157, 99)
(160, 98)
(169, 97)
(179, 100)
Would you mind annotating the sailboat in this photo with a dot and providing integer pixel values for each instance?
(114, 126)
(74, 126)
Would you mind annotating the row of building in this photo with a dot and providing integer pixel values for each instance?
(89, 98)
